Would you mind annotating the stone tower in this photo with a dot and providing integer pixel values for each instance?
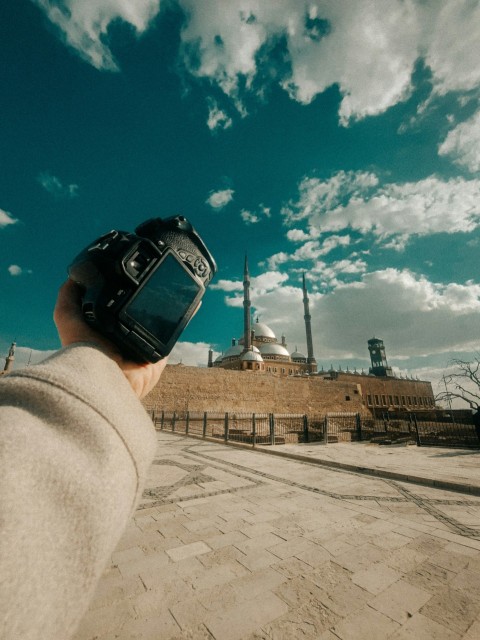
(308, 329)
(379, 359)
(10, 359)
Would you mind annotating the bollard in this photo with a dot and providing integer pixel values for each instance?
(226, 426)
(187, 423)
(305, 428)
(204, 424)
(271, 418)
(254, 430)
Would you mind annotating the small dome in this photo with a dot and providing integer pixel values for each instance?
(296, 355)
(262, 331)
(273, 349)
(251, 356)
(234, 350)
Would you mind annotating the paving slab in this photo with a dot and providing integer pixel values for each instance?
(441, 467)
(282, 548)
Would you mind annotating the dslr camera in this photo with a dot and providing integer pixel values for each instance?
(141, 289)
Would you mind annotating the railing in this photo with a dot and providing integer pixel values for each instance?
(273, 429)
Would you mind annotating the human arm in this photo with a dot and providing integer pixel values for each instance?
(75, 447)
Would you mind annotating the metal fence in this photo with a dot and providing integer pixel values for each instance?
(271, 429)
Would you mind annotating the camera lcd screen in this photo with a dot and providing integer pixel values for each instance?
(163, 301)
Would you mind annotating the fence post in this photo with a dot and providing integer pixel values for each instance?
(204, 424)
(226, 426)
(325, 430)
(272, 428)
(416, 430)
(254, 430)
(174, 418)
(359, 427)
(305, 428)
(162, 420)
(187, 423)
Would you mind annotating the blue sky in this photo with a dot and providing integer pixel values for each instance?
(337, 138)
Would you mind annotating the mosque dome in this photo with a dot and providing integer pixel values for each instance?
(252, 355)
(297, 356)
(262, 331)
(233, 351)
(273, 349)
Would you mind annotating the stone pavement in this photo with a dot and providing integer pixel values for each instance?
(235, 544)
(458, 469)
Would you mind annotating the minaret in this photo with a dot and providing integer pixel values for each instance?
(247, 332)
(10, 358)
(308, 328)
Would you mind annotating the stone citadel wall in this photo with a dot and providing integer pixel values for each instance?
(183, 388)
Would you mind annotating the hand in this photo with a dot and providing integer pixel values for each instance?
(72, 328)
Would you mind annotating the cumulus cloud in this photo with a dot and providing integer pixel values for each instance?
(84, 25)
(219, 199)
(6, 218)
(15, 270)
(217, 119)
(54, 186)
(415, 317)
(392, 212)
(193, 354)
(462, 144)
(267, 281)
(367, 48)
(250, 217)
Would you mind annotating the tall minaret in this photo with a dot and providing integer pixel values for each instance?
(9, 359)
(308, 328)
(247, 333)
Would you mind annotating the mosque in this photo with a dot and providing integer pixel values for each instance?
(259, 349)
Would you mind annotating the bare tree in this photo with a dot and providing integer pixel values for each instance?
(463, 383)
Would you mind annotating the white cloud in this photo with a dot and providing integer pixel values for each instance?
(393, 212)
(368, 48)
(6, 218)
(84, 25)
(219, 199)
(250, 217)
(297, 235)
(267, 281)
(451, 36)
(15, 270)
(54, 186)
(414, 316)
(217, 118)
(191, 353)
(462, 144)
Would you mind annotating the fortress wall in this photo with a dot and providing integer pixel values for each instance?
(183, 388)
(388, 387)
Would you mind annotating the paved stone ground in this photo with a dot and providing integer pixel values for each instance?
(442, 465)
(233, 544)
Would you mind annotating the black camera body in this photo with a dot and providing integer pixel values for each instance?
(141, 289)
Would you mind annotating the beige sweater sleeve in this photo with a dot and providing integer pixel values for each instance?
(75, 446)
